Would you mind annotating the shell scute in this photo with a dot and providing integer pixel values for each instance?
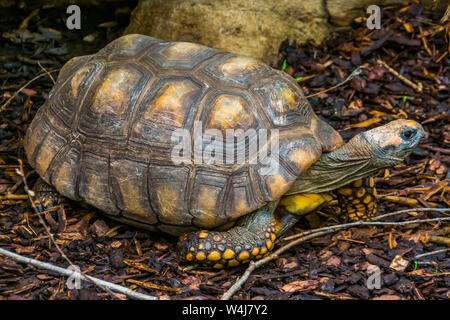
(235, 69)
(180, 55)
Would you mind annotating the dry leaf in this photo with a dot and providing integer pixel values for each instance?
(300, 285)
(398, 263)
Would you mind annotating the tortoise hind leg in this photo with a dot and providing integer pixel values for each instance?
(357, 200)
(251, 238)
(46, 196)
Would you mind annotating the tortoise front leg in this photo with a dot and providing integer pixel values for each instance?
(357, 200)
(251, 238)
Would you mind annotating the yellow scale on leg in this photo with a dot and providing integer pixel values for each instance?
(357, 200)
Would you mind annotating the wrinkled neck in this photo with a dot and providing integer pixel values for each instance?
(354, 160)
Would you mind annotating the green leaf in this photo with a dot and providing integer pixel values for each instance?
(298, 79)
(404, 99)
(284, 65)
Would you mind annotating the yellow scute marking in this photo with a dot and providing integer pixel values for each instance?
(277, 185)
(44, 157)
(182, 50)
(132, 198)
(285, 100)
(289, 98)
(241, 207)
(237, 65)
(76, 80)
(63, 176)
(207, 199)
(205, 207)
(229, 112)
(172, 104)
(302, 158)
(128, 41)
(167, 198)
(114, 92)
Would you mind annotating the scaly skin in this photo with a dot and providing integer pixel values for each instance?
(357, 200)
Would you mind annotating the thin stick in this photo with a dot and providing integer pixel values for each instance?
(345, 225)
(68, 273)
(416, 87)
(23, 87)
(45, 70)
(19, 183)
(31, 194)
(307, 236)
(13, 197)
(354, 73)
(431, 253)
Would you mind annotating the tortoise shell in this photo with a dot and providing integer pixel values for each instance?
(105, 135)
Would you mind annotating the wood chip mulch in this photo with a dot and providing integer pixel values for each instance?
(414, 259)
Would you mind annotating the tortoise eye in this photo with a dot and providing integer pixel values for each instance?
(408, 133)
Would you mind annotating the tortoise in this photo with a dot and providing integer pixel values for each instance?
(110, 133)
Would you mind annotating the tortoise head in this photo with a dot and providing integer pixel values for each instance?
(365, 154)
(394, 141)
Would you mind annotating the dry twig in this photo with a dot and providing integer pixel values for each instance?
(354, 73)
(68, 273)
(3, 107)
(304, 236)
(45, 70)
(352, 224)
(416, 87)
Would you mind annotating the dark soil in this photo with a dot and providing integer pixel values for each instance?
(412, 41)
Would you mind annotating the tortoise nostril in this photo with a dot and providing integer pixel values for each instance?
(408, 133)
